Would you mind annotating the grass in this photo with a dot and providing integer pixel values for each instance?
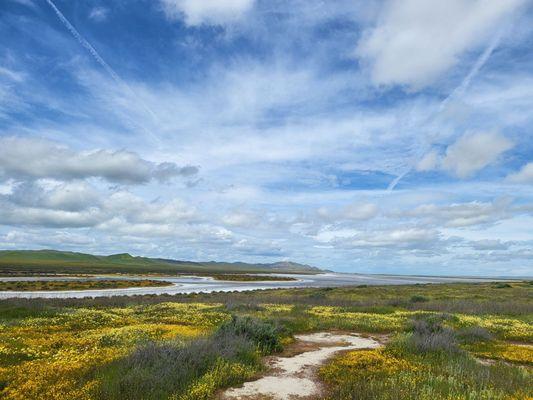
(398, 372)
(144, 345)
(26, 262)
(425, 363)
(228, 357)
(79, 284)
(500, 350)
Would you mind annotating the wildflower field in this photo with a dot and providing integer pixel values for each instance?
(453, 341)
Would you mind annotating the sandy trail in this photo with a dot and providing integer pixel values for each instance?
(294, 378)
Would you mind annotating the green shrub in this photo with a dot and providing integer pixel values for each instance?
(473, 334)
(264, 335)
(418, 299)
(171, 369)
(502, 285)
(431, 336)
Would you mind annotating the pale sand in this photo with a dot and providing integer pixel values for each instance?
(294, 377)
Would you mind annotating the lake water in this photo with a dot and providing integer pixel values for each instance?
(183, 284)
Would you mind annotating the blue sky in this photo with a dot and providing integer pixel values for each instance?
(360, 136)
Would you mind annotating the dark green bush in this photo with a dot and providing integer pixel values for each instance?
(264, 335)
(418, 299)
(502, 285)
(156, 370)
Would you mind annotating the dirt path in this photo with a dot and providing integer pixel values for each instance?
(294, 377)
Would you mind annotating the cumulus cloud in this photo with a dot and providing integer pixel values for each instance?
(408, 237)
(525, 175)
(135, 210)
(416, 41)
(23, 158)
(78, 204)
(266, 248)
(63, 205)
(244, 219)
(350, 212)
(463, 214)
(214, 12)
(11, 214)
(469, 154)
(56, 238)
(397, 237)
(67, 196)
(489, 244)
(473, 152)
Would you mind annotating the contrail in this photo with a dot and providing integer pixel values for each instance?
(482, 59)
(85, 43)
(100, 60)
(458, 91)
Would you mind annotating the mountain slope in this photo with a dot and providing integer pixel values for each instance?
(53, 261)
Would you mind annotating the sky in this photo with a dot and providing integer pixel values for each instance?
(363, 136)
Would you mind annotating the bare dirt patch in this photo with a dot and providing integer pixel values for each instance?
(293, 377)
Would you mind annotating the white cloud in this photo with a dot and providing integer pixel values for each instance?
(198, 12)
(13, 215)
(469, 154)
(34, 158)
(474, 151)
(12, 75)
(28, 3)
(489, 244)
(291, 150)
(241, 219)
(99, 14)
(359, 211)
(416, 41)
(350, 212)
(77, 204)
(525, 175)
(16, 238)
(429, 162)
(67, 196)
(409, 237)
(135, 210)
(463, 214)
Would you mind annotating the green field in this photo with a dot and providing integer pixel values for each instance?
(445, 341)
(24, 262)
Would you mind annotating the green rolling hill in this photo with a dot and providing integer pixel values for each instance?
(53, 261)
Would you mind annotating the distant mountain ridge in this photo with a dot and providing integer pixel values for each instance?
(55, 261)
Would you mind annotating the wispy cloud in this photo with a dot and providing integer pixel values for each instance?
(270, 140)
(197, 12)
(412, 43)
(99, 14)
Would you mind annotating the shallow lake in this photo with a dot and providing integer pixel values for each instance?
(189, 284)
